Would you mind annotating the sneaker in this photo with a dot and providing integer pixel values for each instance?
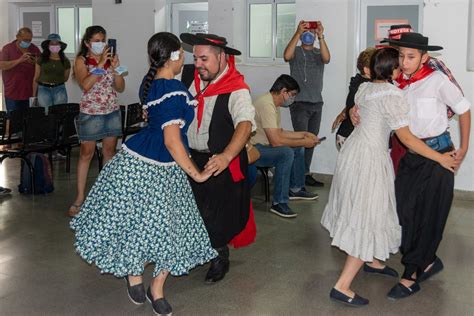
(4, 191)
(309, 180)
(303, 195)
(283, 210)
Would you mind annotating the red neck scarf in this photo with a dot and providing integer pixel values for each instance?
(231, 81)
(423, 72)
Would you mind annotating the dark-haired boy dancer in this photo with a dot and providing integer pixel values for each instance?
(424, 189)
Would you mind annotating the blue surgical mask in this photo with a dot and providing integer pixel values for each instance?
(97, 48)
(307, 38)
(25, 44)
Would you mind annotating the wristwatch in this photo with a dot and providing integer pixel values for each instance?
(321, 37)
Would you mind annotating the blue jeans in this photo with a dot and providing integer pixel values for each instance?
(48, 96)
(16, 104)
(289, 169)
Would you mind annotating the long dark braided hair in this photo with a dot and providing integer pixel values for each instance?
(88, 34)
(160, 47)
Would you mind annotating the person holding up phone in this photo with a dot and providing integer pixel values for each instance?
(99, 117)
(282, 149)
(307, 67)
(17, 62)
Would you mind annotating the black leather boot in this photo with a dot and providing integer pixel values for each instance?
(219, 266)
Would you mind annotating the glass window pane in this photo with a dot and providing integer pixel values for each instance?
(66, 28)
(85, 20)
(286, 26)
(260, 35)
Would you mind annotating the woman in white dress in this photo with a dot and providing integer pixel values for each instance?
(361, 212)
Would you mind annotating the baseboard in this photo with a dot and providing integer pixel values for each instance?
(458, 194)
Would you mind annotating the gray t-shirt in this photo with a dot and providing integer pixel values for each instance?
(308, 68)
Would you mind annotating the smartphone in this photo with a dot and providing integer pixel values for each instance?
(322, 138)
(112, 44)
(312, 25)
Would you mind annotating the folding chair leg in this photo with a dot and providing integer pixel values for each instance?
(68, 160)
(100, 158)
(50, 159)
(32, 173)
(266, 183)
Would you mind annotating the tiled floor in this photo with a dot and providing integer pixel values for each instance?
(288, 271)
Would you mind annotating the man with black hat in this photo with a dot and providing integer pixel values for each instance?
(424, 189)
(398, 150)
(217, 137)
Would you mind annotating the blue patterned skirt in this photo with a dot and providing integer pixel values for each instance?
(137, 213)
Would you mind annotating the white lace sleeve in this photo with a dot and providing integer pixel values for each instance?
(396, 109)
(179, 122)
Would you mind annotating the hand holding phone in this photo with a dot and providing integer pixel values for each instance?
(112, 44)
(312, 25)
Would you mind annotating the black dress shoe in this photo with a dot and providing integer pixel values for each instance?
(401, 291)
(356, 301)
(136, 293)
(219, 266)
(385, 271)
(309, 180)
(160, 306)
(435, 268)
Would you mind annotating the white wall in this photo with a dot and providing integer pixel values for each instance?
(340, 20)
(453, 15)
(132, 23)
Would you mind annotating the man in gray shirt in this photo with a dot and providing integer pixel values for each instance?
(307, 67)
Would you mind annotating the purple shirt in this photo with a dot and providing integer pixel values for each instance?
(18, 80)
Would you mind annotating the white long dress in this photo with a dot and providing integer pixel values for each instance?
(361, 214)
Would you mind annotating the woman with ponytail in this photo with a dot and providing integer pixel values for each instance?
(99, 117)
(141, 209)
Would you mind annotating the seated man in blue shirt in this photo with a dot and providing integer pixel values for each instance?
(282, 149)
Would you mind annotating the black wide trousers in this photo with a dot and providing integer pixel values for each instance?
(424, 193)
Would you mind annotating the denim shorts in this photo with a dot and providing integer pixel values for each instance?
(96, 127)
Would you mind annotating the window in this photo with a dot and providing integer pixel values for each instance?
(71, 23)
(271, 24)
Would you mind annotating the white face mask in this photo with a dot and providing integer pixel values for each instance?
(97, 47)
(289, 101)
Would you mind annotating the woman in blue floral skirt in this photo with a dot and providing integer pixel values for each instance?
(141, 209)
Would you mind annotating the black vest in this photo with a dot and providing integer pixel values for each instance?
(221, 128)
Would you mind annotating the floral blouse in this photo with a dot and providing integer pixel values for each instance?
(101, 98)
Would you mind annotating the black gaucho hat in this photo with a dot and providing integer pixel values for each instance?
(412, 40)
(208, 39)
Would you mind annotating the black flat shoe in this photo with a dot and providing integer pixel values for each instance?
(160, 306)
(356, 301)
(136, 293)
(435, 268)
(309, 180)
(219, 266)
(401, 291)
(385, 271)
(217, 271)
